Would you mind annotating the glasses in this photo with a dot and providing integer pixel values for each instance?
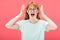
(34, 10)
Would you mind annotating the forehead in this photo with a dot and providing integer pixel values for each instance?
(32, 6)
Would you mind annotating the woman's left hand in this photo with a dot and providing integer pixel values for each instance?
(51, 24)
(41, 10)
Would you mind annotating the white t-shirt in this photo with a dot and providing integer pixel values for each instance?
(32, 31)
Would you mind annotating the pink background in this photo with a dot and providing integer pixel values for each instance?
(11, 8)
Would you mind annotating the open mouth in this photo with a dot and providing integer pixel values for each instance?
(32, 14)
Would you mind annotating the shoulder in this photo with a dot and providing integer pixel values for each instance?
(21, 21)
(43, 22)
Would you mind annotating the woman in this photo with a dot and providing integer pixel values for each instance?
(32, 27)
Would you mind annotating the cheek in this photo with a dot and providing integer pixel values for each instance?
(36, 12)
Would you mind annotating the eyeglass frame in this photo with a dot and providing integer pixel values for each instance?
(30, 10)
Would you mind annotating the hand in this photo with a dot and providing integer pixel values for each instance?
(22, 9)
(41, 10)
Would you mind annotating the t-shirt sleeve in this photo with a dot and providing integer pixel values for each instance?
(45, 23)
(20, 23)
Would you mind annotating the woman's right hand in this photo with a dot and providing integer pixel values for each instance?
(22, 10)
(11, 24)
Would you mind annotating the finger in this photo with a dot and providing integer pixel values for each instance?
(22, 7)
(41, 8)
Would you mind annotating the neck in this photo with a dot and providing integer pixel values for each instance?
(33, 20)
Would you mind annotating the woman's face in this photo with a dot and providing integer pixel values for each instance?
(32, 11)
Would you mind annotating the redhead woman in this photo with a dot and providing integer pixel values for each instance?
(32, 27)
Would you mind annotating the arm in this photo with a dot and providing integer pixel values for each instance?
(11, 24)
(51, 25)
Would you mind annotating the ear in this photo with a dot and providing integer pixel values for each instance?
(27, 11)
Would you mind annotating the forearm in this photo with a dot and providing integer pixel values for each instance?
(12, 21)
(51, 23)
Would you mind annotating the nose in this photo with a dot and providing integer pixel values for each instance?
(32, 11)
